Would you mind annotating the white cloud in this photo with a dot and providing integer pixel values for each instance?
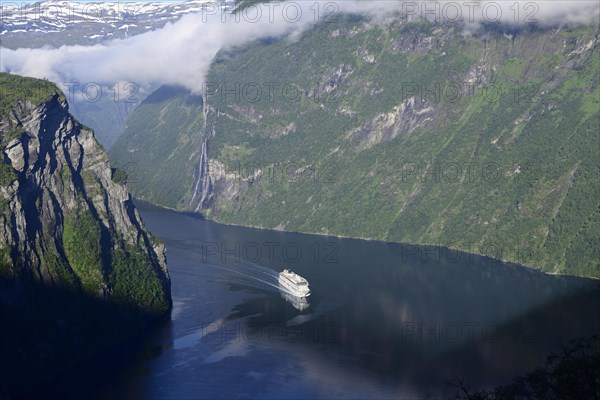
(181, 53)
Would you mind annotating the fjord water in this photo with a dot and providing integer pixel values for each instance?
(383, 321)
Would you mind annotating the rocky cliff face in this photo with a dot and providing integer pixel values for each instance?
(65, 222)
(79, 273)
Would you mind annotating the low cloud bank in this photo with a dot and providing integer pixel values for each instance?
(181, 53)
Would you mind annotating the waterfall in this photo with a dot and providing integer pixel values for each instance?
(203, 185)
(205, 109)
(204, 172)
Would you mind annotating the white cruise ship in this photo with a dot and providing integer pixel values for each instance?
(294, 284)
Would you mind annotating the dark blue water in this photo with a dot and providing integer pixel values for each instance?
(383, 321)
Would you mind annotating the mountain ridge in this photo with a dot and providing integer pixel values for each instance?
(60, 23)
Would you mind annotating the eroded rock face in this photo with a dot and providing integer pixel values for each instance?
(402, 119)
(64, 221)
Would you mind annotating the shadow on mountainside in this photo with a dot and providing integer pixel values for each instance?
(47, 333)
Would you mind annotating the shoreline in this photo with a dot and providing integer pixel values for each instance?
(499, 260)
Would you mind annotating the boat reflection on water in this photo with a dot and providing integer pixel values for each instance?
(299, 303)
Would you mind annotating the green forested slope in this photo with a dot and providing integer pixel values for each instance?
(162, 135)
(405, 132)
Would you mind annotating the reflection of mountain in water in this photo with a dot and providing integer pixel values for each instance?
(476, 319)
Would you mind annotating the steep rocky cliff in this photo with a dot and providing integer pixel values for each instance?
(64, 220)
(75, 258)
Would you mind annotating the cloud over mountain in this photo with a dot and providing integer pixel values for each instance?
(182, 52)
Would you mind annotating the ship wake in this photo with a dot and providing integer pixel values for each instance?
(251, 275)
